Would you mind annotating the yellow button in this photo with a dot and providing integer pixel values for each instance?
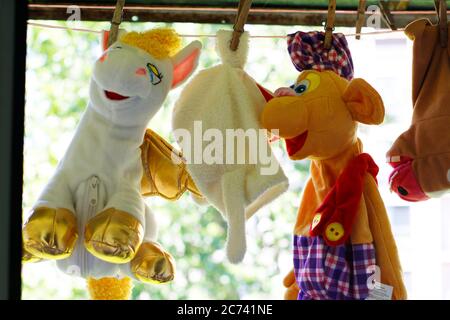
(334, 231)
(316, 220)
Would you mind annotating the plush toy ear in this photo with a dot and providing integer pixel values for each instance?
(185, 62)
(105, 38)
(364, 102)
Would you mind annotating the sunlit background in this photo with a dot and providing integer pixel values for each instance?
(59, 65)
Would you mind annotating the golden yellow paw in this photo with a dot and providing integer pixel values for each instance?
(27, 257)
(152, 264)
(50, 234)
(113, 236)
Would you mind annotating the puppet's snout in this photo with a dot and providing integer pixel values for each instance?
(285, 114)
(403, 181)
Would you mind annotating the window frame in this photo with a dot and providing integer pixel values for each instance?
(12, 91)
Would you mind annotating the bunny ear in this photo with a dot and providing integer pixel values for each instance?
(105, 38)
(185, 62)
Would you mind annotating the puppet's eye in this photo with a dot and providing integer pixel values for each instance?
(155, 75)
(302, 87)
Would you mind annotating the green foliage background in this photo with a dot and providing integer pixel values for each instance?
(59, 65)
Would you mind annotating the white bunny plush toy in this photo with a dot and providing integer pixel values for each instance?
(236, 179)
(91, 215)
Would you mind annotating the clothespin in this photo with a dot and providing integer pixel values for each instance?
(441, 10)
(241, 18)
(115, 22)
(329, 26)
(360, 15)
(386, 14)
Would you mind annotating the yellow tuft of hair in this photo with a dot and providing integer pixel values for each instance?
(160, 43)
(110, 288)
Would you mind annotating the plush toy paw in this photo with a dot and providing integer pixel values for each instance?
(113, 236)
(152, 264)
(292, 292)
(50, 234)
(28, 257)
(290, 283)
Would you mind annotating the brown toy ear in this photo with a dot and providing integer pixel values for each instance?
(363, 102)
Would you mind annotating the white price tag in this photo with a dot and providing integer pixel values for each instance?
(380, 292)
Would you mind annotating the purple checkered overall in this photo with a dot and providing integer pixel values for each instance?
(332, 272)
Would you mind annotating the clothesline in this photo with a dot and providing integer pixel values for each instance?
(41, 25)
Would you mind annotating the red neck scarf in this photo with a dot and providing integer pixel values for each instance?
(336, 215)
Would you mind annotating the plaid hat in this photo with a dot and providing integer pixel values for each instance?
(307, 52)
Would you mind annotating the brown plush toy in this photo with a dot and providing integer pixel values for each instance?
(421, 155)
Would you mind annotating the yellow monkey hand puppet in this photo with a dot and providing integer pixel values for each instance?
(342, 237)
